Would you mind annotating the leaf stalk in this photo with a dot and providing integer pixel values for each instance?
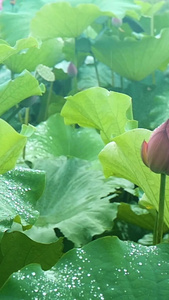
(158, 232)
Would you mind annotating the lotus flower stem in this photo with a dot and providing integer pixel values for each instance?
(96, 71)
(48, 100)
(152, 25)
(158, 234)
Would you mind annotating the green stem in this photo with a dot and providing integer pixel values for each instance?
(121, 81)
(26, 121)
(27, 110)
(74, 79)
(152, 34)
(96, 70)
(112, 78)
(155, 230)
(74, 84)
(158, 234)
(152, 25)
(48, 100)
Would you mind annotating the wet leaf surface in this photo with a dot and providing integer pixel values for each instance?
(104, 269)
(19, 191)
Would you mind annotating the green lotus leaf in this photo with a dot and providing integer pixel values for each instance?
(131, 58)
(117, 7)
(122, 158)
(18, 245)
(148, 9)
(109, 112)
(134, 214)
(76, 199)
(12, 144)
(14, 91)
(6, 50)
(62, 20)
(49, 53)
(19, 192)
(53, 137)
(104, 269)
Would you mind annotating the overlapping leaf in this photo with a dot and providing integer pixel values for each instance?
(133, 59)
(63, 20)
(117, 7)
(6, 50)
(109, 112)
(17, 245)
(87, 76)
(12, 144)
(122, 158)
(19, 191)
(104, 269)
(49, 53)
(161, 21)
(54, 138)
(16, 90)
(134, 214)
(148, 9)
(75, 199)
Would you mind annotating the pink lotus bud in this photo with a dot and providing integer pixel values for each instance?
(12, 2)
(116, 22)
(1, 2)
(72, 70)
(155, 153)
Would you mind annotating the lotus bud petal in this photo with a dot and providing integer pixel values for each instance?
(144, 148)
(1, 3)
(116, 22)
(13, 2)
(72, 70)
(155, 153)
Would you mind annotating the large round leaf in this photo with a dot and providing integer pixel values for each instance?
(35, 56)
(76, 199)
(116, 7)
(122, 158)
(63, 20)
(109, 112)
(104, 269)
(133, 59)
(53, 137)
(14, 91)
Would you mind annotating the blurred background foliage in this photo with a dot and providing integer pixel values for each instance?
(122, 46)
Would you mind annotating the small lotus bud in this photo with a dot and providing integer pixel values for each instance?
(116, 22)
(155, 153)
(12, 2)
(72, 70)
(1, 3)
